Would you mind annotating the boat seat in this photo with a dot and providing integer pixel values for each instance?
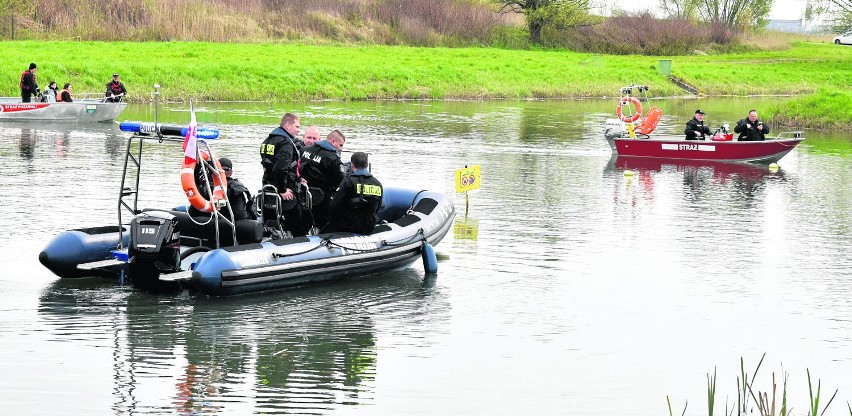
(193, 233)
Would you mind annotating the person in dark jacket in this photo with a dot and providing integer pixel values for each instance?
(29, 85)
(354, 206)
(322, 168)
(695, 128)
(51, 93)
(280, 159)
(239, 196)
(751, 129)
(115, 90)
(65, 95)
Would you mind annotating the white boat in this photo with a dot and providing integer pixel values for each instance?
(83, 110)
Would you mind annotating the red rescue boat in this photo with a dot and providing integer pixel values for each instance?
(633, 136)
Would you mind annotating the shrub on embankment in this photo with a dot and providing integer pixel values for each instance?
(390, 22)
(643, 35)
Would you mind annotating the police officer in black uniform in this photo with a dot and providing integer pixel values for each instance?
(280, 159)
(322, 168)
(354, 206)
(238, 195)
(751, 129)
(695, 128)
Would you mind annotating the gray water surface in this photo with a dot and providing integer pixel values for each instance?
(570, 288)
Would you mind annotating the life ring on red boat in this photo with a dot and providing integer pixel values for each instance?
(649, 123)
(629, 100)
(187, 180)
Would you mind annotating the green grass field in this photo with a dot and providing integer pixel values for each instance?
(285, 72)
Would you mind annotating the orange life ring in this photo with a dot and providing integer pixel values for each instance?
(187, 180)
(649, 123)
(635, 116)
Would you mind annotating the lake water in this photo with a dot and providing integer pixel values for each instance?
(570, 288)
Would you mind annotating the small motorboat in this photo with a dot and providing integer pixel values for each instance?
(632, 135)
(167, 249)
(82, 110)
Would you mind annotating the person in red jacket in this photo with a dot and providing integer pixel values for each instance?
(65, 95)
(115, 90)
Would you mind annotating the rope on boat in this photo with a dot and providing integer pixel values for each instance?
(322, 243)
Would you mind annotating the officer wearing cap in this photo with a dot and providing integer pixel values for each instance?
(29, 86)
(695, 128)
(115, 90)
(239, 196)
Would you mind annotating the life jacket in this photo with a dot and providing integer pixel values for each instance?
(23, 74)
(115, 87)
(59, 95)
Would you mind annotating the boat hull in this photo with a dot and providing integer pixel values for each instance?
(78, 111)
(416, 218)
(306, 260)
(767, 151)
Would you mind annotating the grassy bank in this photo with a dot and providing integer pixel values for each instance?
(826, 109)
(281, 72)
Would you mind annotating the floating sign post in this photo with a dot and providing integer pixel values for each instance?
(467, 179)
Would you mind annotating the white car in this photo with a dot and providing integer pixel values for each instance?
(845, 38)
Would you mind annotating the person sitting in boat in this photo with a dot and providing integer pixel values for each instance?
(280, 159)
(51, 93)
(354, 206)
(65, 95)
(115, 90)
(239, 196)
(751, 129)
(322, 168)
(29, 86)
(695, 128)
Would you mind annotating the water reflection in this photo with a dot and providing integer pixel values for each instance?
(26, 144)
(700, 179)
(301, 351)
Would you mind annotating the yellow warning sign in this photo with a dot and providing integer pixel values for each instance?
(468, 178)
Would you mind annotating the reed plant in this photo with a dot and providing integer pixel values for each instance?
(813, 410)
(766, 405)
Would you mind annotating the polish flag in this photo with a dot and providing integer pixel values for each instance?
(190, 142)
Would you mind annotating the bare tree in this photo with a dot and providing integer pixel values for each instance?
(680, 9)
(838, 13)
(540, 13)
(734, 13)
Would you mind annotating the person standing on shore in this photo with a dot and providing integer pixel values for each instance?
(115, 90)
(751, 129)
(29, 86)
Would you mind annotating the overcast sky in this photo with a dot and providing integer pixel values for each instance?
(781, 9)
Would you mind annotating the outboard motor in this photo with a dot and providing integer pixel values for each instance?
(154, 249)
(613, 129)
